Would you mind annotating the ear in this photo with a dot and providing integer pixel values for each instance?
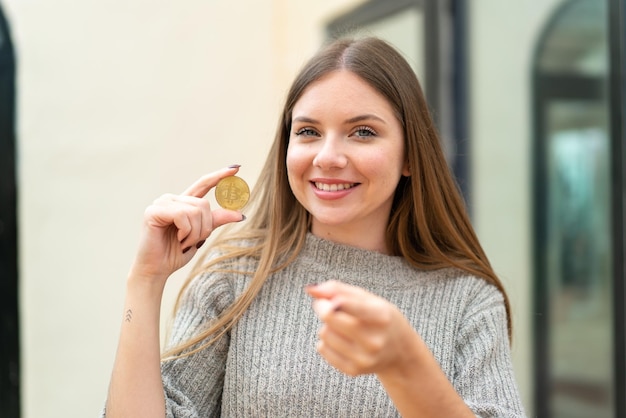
(406, 169)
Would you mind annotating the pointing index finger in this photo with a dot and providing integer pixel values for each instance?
(205, 183)
(351, 300)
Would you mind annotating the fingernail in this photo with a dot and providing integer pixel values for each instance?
(311, 284)
(243, 217)
(234, 166)
(199, 244)
(186, 249)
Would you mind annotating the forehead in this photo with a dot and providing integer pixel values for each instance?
(342, 89)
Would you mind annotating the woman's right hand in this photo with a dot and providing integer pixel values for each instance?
(175, 226)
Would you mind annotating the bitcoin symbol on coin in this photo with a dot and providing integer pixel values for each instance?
(232, 193)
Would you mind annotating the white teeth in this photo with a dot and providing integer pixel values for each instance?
(333, 187)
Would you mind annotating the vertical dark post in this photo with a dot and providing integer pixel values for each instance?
(432, 57)
(617, 92)
(460, 119)
(9, 330)
(541, 300)
(445, 49)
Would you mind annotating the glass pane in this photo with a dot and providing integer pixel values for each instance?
(577, 272)
(577, 43)
(579, 260)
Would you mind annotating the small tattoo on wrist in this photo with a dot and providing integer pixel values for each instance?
(128, 316)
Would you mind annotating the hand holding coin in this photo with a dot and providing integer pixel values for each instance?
(176, 225)
(232, 193)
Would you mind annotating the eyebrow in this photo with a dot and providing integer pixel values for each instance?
(355, 119)
(365, 117)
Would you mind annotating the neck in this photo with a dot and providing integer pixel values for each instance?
(359, 237)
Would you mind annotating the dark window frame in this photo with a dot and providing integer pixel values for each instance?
(617, 100)
(9, 312)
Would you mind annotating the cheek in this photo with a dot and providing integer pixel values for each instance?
(296, 162)
(386, 166)
(383, 163)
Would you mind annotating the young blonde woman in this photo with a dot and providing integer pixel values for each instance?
(355, 288)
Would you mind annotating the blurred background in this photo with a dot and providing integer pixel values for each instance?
(106, 105)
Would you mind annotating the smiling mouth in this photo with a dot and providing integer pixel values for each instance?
(333, 187)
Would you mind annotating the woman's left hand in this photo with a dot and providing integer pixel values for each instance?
(362, 333)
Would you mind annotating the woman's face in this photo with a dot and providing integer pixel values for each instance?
(345, 158)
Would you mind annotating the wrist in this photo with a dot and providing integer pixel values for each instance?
(410, 362)
(145, 283)
(148, 273)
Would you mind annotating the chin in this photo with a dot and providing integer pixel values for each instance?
(331, 222)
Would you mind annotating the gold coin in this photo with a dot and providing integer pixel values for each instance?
(232, 193)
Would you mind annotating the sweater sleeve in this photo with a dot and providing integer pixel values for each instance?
(483, 368)
(193, 384)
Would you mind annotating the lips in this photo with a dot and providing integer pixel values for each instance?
(334, 187)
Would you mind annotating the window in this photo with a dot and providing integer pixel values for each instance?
(574, 277)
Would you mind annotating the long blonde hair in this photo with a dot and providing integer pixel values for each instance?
(428, 225)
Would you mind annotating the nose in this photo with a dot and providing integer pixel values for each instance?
(331, 153)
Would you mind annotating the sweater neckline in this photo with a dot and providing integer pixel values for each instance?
(355, 265)
(314, 241)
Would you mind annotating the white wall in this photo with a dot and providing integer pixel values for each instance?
(502, 43)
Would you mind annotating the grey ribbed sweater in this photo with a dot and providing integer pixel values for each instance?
(267, 365)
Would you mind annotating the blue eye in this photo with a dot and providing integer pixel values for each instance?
(306, 132)
(364, 132)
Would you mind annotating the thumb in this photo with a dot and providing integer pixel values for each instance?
(225, 216)
(322, 307)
